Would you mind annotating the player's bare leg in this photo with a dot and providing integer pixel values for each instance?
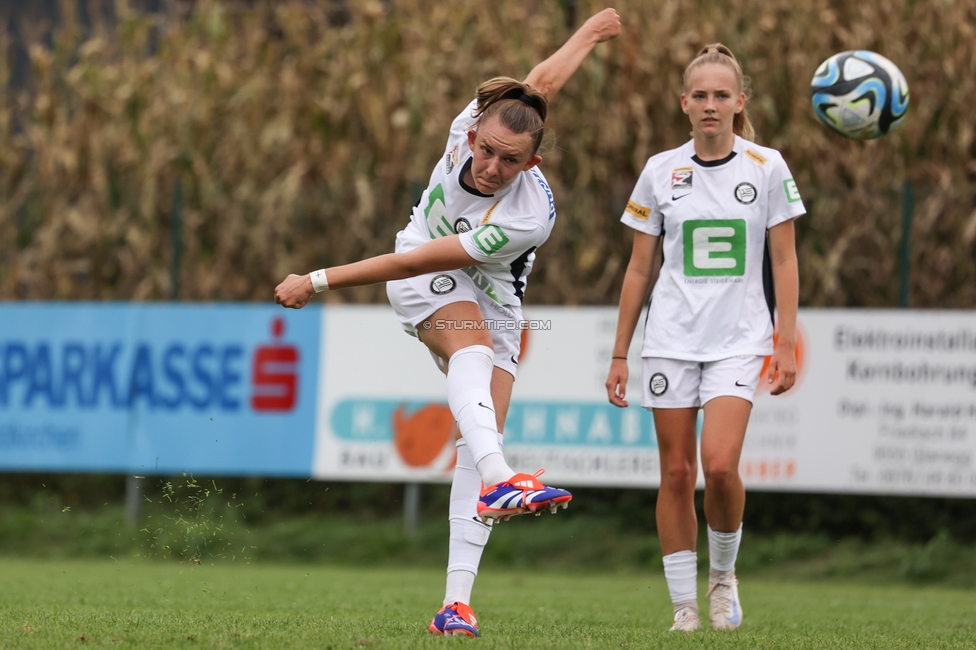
(677, 443)
(677, 522)
(723, 433)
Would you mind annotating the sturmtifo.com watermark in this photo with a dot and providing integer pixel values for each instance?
(542, 325)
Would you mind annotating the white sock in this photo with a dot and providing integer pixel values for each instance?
(723, 548)
(681, 572)
(469, 396)
(468, 534)
(494, 468)
(459, 585)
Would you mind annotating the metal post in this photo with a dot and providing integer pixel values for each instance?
(411, 508)
(570, 6)
(134, 484)
(176, 239)
(133, 500)
(907, 210)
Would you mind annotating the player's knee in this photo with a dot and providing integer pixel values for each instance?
(679, 476)
(469, 384)
(720, 475)
(484, 354)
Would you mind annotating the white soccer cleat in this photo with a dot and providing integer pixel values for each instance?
(725, 611)
(686, 620)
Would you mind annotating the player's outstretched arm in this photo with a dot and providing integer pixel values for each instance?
(550, 75)
(782, 250)
(637, 281)
(443, 254)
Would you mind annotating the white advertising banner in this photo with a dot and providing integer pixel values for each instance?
(885, 403)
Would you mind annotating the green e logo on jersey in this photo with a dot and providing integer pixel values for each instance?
(436, 214)
(490, 239)
(792, 194)
(715, 247)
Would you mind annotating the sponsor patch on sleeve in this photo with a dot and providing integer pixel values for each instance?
(490, 239)
(792, 194)
(451, 159)
(755, 157)
(638, 211)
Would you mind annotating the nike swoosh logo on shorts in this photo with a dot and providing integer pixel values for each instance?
(742, 385)
(486, 407)
(513, 360)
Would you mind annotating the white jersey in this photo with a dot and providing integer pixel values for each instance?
(501, 230)
(709, 301)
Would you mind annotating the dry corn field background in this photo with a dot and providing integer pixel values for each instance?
(238, 142)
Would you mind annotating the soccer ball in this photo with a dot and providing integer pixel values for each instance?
(859, 94)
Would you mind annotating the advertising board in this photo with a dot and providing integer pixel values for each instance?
(885, 400)
(154, 389)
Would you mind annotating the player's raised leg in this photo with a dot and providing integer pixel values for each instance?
(466, 344)
(454, 333)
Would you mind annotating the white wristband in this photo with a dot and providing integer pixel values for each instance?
(319, 282)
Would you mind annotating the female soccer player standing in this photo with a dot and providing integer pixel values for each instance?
(456, 281)
(720, 204)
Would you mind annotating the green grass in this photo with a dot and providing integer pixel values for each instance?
(568, 542)
(140, 604)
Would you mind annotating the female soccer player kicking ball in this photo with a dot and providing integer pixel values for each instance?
(720, 203)
(461, 261)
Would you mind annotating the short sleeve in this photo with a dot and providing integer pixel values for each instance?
(642, 212)
(502, 242)
(783, 196)
(465, 120)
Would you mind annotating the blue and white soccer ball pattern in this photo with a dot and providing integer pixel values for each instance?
(859, 94)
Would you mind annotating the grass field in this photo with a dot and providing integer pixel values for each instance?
(134, 604)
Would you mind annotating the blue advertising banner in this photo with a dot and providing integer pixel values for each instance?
(156, 389)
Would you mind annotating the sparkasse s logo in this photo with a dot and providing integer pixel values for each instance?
(173, 375)
(275, 377)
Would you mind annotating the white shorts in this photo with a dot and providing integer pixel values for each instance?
(415, 299)
(674, 383)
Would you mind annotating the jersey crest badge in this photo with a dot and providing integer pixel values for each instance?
(681, 178)
(658, 384)
(442, 284)
(745, 193)
(462, 225)
(451, 159)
